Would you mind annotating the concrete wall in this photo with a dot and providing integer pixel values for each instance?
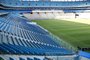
(49, 15)
(83, 15)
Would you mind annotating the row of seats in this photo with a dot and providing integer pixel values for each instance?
(25, 59)
(33, 57)
(17, 22)
(25, 46)
(19, 37)
(20, 32)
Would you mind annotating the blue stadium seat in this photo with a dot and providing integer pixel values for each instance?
(11, 58)
(29, 59)
(21, 58)
(36, 58)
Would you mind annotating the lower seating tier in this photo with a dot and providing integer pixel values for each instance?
(19, 37)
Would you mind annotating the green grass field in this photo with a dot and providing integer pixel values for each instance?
(77, 34)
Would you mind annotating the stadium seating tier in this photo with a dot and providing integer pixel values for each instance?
(19, 37)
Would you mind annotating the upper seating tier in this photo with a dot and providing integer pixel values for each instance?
(17, 3)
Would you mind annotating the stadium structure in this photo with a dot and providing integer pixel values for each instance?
(22, 39)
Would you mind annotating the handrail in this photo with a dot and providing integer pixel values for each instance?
(63, 43)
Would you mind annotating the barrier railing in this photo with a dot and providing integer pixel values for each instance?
(63, 43)
(84, 55)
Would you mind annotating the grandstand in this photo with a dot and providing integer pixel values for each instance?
(22, 39)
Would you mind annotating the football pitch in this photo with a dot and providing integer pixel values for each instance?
(76, 34)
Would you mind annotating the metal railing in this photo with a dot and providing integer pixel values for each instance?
(63, 43)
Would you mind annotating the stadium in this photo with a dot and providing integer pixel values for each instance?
(44, 29)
